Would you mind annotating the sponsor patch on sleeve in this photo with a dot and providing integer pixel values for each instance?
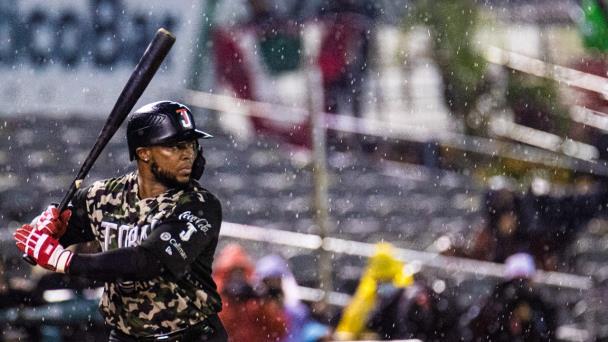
(194, 224)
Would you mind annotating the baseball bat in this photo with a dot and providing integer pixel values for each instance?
(141, 76)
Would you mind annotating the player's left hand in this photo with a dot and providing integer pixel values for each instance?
(46, 250)
(52, 222)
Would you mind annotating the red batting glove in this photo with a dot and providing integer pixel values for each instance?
(51, 222)
(46, 250)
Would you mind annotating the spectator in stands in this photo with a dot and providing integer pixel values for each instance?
(510, 236)
(315, 332)
(344, 51)
(515, 311)
(246, 316)
(414, 312)
(344, 55)
(505, 232)
(559, 215)
(276, 283)
(383, 277)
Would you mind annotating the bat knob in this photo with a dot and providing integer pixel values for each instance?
(29, 259)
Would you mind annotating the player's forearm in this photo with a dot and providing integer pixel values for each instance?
(131, 263)
(73, 236)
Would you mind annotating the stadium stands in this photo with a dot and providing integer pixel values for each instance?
(259, 183)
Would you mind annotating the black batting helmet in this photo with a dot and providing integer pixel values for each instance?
(160, 123)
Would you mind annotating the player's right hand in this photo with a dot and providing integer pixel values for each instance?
(43, 248)
(52, 222)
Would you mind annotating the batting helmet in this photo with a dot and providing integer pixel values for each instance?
(160, 123)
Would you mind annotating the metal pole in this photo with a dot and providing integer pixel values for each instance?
(319, 168)
(593, 297)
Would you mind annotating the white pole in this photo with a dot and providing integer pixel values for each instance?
(319, 169)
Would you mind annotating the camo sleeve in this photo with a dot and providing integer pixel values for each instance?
(187, 233)
(79, 227)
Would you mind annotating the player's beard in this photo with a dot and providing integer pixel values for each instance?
(167, 179)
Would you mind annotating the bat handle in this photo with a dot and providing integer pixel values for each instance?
(28, 258)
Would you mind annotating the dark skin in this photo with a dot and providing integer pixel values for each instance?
(172, 161)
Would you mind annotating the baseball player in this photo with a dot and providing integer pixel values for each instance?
(157, 229)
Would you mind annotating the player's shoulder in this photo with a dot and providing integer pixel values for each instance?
(112, 185)
(197, 203)
(199, 194)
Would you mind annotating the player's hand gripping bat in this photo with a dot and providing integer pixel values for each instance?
(140, 78)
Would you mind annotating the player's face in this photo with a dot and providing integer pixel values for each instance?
(171, 164)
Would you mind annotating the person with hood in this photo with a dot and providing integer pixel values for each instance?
(383, 276)
(515, 311)
(275, 282)
(246, 316)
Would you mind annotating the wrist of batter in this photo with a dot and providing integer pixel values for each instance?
(61, 259)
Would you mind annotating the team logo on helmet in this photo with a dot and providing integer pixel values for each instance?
(185, 118)
(161, 122)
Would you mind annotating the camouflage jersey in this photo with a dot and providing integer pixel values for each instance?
(180, 227)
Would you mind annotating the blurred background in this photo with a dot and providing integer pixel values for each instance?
(389, 170)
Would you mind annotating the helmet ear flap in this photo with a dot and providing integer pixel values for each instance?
(198, 167)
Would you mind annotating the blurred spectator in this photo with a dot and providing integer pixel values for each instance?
(563, 216)
(504, 233)
(315, 332)
(343, 58)
(543, 221)
(383, 277)
(510, 235)
(414, 312)
(276, 283)
(245, 316)
(344, 54)
(515, 311)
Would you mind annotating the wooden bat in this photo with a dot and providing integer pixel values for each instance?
(140, 78)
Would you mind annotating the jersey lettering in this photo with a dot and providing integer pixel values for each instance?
(115, 236)
(185, 234)
(178, 247)
(201, 223)
(107, 233)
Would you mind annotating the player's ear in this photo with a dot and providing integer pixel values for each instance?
(143, 154)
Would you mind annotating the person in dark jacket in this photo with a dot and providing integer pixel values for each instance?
(515, 311)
